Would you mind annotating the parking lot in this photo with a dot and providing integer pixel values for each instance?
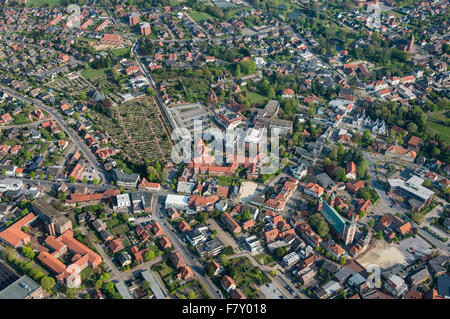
(419, 249)
(271, 292)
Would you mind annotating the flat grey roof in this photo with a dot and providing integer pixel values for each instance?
(123, 290)
(154, 284)
(20, 289)
(412, 186)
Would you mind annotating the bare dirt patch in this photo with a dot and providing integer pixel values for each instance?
(383, 255)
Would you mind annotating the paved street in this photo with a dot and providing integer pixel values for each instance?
(66, 128)
(107, 260)
(191, 260)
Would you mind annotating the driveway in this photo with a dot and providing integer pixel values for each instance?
(224, 236)
(107, 260)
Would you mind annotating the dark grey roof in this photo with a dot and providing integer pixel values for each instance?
(123, 177)
(419, 276)
(325, 181)
(123, 290)
(329, 267)
(344, 273)
(7, 276)
(443, 283)
(438, 263)
(104, 234)
(20, 289)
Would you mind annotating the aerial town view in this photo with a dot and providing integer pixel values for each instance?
(224, 149)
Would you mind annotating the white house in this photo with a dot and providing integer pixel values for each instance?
(221, 205)
(122, 201)
(299, 171)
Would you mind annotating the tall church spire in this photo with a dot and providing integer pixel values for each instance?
(411, 43)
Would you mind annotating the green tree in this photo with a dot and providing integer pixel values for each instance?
(71, 293)
(47, 283)
(28, 252)
(411, 127)
(427, 183)
(366, 138)
(192, 294)
(246, 215)
(379, 235)
(149, 255)
(145, 285)
(98, 284)
(72, 179)
(319, 224)
(32, 175)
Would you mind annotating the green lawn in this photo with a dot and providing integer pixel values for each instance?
(120, 230)
(256, 99)
(120, 51)
(444, 131)
(438, 116)
(200, 16)
(86, 273)
(164, 268)
(40, 3)
(92, 73)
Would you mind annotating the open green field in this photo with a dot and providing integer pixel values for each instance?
(89, 74)
(444, 131)
(200, 16)
(256, 99)
(438, 116)
(40, 3)
(120, 51)
(120, 230)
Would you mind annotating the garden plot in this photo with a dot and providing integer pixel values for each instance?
(73, 85)
(140, 130)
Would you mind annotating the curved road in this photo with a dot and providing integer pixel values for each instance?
(67, 129)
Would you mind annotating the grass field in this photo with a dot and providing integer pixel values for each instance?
(200, 16)
(89, 74)
(256, 99)
(438, 116)
(120, 51)
(40, 3)
(444, 131)
(120, 230)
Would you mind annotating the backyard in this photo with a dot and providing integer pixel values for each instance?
(246, 276)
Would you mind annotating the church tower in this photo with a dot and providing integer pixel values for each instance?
(411, 44)
(332, 200)
(319, 204)
(349, 231)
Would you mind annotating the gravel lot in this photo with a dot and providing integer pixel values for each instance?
(386, 255)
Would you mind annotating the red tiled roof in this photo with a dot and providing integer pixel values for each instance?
(227, 282)
(14, 234)
(51, 262)
(115, 245)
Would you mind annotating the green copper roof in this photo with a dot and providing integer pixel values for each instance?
(332, 217)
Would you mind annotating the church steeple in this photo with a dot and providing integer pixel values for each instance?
(319, 204)
(411, 43)
(332, 199)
